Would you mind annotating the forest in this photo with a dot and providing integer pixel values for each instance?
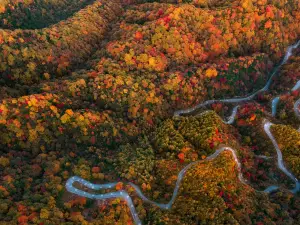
(167, 112)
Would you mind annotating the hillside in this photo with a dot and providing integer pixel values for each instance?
(149, 112)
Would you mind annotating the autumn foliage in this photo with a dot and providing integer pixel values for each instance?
(89, 88)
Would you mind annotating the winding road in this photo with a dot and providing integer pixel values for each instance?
(166, 206)
(276, 100)
(125, 196)
(243, 99)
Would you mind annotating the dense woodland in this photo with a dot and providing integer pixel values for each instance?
(90, 87)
